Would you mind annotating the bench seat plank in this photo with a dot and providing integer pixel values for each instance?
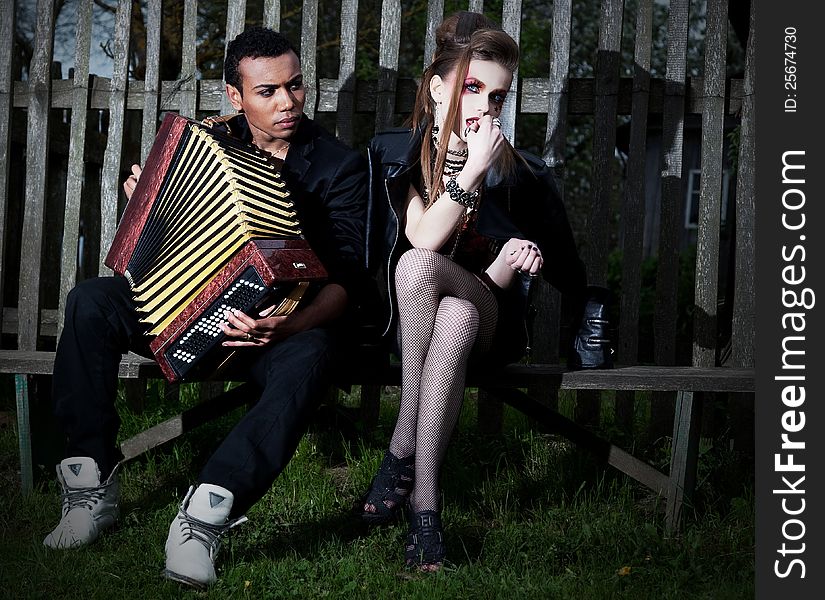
(653, 378)
(42, 363)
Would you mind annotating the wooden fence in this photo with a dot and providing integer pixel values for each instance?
(44, 260)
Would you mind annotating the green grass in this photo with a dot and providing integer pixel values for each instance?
(527, 515)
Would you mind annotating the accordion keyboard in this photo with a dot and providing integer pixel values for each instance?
(247, 293)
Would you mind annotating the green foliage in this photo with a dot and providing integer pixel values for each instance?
(734, 140)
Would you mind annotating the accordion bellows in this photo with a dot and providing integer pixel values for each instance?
(203, 200)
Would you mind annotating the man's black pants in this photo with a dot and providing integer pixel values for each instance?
(101, 324)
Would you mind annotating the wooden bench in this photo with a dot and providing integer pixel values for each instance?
(67, 175)
(503, 385)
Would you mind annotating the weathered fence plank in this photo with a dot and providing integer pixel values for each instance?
(6, 44)
(672, 143)
(667, 272)
(684, 455)
(545, 299)
(710, 191)
(110, 177)
(272, 14)
(37, 145)
(743, 312)
(604, 144)
(633, 214)
(187, 84)
(388, 63)
(76, 166)
(604, 138)
(346, 71)
(476, 6)
(533, 98)
(151, 85)
(435, 14)
(235, 19)
(511, 23)
(742, 326)
(558, 83)
(309, 54)
(490, 413)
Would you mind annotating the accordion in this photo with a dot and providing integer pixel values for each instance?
(210, 227)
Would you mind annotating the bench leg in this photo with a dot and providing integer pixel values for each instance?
(740, 417)
(662, 415)
(548, 395)
(588, 408)
(171, 391)
(625, 411)
(687, 428)
(370, 405)
(21, 384)
(135, 391)
(490, 413)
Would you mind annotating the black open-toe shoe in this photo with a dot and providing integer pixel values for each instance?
(425, 548)
(389, 490)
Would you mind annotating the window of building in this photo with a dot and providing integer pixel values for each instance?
(692, 207)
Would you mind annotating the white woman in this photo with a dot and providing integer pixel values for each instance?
(468, 222)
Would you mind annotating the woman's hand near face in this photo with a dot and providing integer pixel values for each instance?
(523, 255)
(516, 256)
(484, 142)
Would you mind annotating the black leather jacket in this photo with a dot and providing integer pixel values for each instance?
(526, 205)
(328, 183)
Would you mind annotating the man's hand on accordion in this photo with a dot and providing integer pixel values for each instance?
(245, 331)
(242, 330)
(131, 181)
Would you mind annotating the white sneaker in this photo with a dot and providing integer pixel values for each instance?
(89, 506)
(194, 535)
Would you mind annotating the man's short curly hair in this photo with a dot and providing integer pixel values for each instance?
(254, 42)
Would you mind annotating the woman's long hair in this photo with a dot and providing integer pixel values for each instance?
(462, 37)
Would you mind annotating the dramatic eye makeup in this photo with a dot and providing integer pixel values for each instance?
(474, 86)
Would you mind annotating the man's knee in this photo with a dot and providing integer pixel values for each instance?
(309, 349)
(90, 298)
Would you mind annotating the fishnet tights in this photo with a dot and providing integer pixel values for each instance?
(444, 313)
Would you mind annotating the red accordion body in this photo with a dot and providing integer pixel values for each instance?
(210, 227)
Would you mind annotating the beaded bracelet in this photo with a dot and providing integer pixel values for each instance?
(458, 194)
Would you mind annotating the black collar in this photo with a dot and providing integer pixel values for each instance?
(300, 145)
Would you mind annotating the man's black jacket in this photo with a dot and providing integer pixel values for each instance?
(328, 184)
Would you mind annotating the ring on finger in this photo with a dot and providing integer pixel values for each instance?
(249, 337)
(497, 122)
